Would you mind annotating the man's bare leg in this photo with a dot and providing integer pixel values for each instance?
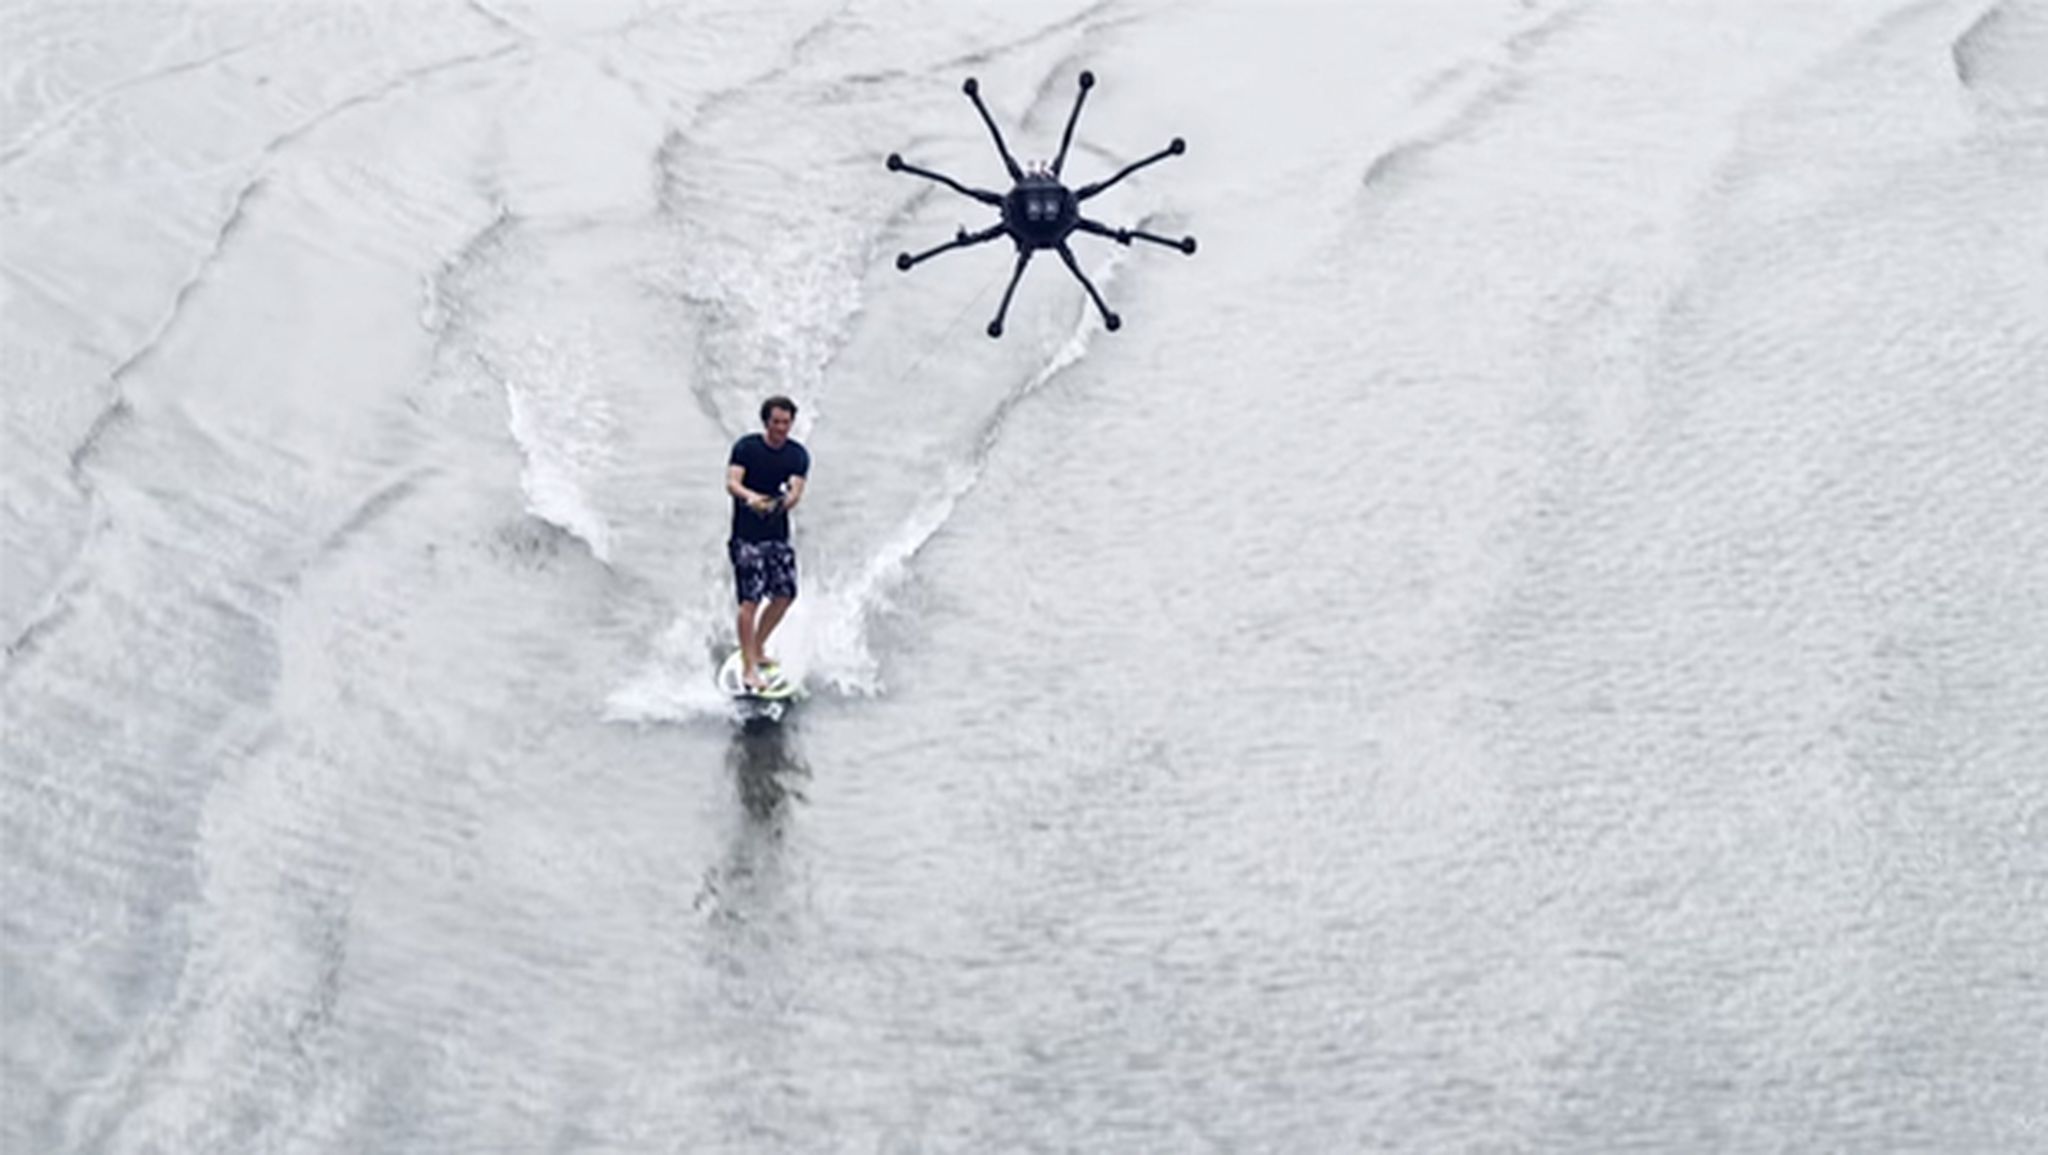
(770, 618)
(750, 647)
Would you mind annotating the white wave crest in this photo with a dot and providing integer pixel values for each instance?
(564, 429)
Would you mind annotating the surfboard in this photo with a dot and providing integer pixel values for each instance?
(780, 688)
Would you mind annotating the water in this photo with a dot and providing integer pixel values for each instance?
(1531, 640)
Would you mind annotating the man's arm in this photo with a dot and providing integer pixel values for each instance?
(735, 484)
(795, 492)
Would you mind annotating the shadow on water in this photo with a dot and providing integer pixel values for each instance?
(768, 768)
(769, 773)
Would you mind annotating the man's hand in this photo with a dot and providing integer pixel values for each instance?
(760, 503)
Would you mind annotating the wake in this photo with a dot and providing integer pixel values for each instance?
(826, 640)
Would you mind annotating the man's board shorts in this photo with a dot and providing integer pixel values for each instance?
(763, 569)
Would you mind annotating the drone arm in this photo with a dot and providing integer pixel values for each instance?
(1109, 320)
(1175, 149)
(995, 327)
(973, 91)
(1126, 236)
(906, 261)
(898, 164)
(1074, 117)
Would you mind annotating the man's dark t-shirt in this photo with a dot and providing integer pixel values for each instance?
(767, 470)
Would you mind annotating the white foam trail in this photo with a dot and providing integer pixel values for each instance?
(676, 684)
(564, 429)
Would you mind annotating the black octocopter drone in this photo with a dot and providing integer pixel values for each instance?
(1039, 211)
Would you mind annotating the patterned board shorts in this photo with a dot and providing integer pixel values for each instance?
(763, 569)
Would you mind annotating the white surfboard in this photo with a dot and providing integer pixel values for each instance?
(780, 687)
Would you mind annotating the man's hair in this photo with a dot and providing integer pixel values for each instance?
(777, 402)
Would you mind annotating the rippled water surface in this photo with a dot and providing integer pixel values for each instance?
(1535, 638)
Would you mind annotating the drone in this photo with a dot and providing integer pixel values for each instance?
(1039, 212)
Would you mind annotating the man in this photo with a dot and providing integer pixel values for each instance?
(765, 475)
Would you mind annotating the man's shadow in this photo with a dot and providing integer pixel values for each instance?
(768, 768)
(770, 774)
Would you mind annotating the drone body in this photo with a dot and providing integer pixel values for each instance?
(1039, 211)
